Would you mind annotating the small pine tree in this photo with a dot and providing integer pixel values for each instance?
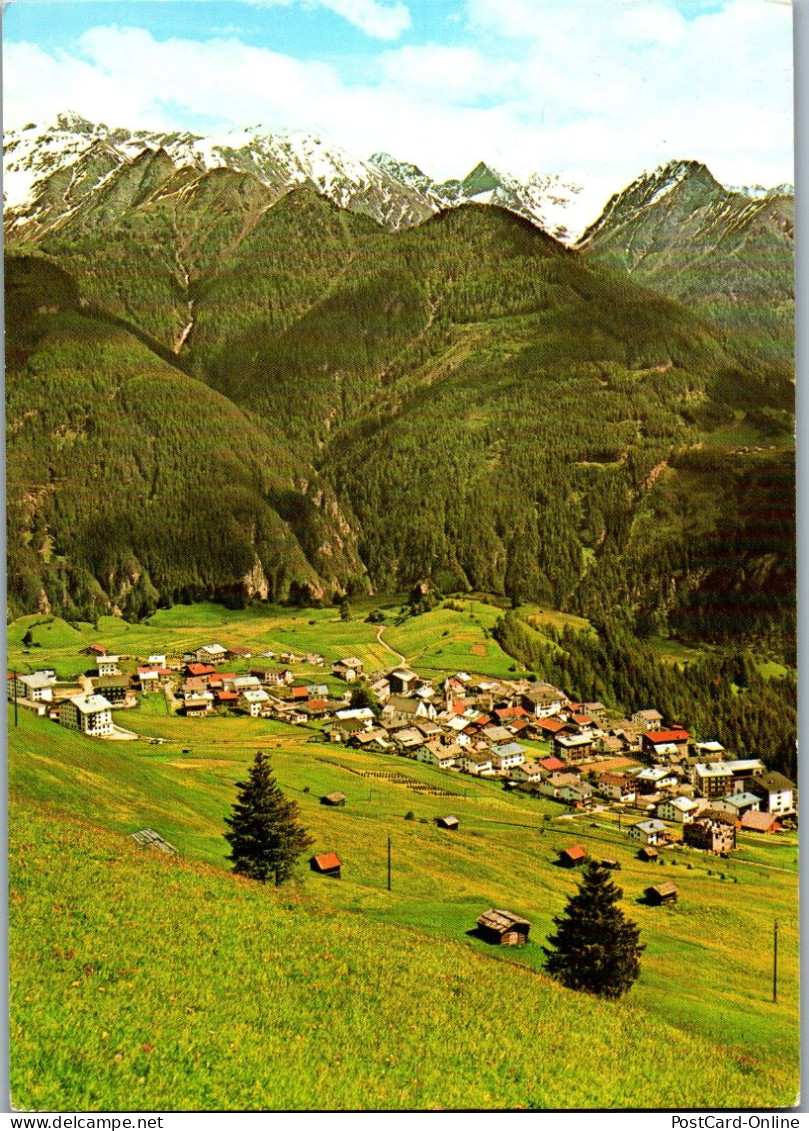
(595, 948)
(265, 836)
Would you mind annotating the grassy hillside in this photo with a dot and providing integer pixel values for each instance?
(299, 1007)
(87, 907)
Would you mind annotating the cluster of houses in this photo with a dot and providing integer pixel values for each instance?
(654, 773)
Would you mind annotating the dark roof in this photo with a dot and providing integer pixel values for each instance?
(774, 781)
(716, 815)
(667, 888)
(104, 682)
(498, 920)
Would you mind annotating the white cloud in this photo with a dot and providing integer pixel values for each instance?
(381, 21)
(595, 91)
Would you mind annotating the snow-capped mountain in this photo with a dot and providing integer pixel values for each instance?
(80, 155)
(680, 190)
(49, 171)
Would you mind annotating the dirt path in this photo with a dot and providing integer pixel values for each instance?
(393, 651)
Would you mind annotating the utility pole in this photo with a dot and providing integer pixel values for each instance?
(775, 961)
(388, 863)
(15, 698)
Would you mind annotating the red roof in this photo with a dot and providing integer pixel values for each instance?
(317, 704)
(552, 725)
(552, 763)
(511, 713)
(520, 724)
(226, 696)
(582, 720)
(200, 669)
(328, 860)
(458, 708)
(760, 822)
(300, 692)
(656, 736)
(575, 853)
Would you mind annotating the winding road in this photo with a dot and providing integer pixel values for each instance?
(398, 655)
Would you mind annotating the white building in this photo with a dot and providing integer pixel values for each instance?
(254, 701)
(91, 714)
(108, 665)
(648, 832)
(679, 809)
(38, 687)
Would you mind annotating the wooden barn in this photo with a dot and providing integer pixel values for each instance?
(447, 822)
(647, 853)
(148, 838)
(570, 857)
(503, 928)
(333, 799)
(327, 864)
(661, 893)
(613, 865)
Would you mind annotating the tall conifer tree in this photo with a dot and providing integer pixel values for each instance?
(595, 948)
(265, 835)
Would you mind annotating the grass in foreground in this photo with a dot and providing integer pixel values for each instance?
(703, 985)
(187, 988)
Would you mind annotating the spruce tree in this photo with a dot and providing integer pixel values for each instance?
(265, 836)
(595, 948)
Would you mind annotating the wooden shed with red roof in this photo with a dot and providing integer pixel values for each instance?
(327, 864)
(570, 857)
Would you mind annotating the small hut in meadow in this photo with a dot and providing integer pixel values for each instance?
(661, 893)
(447, 822)
(648, 853)
(148, 838)
(613, 865)
(327, 864)
(570, 857)
(333, 799)
(503, 928)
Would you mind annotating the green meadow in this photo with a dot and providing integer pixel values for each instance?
(187, 987)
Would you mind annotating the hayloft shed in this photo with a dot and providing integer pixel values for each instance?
(447, 822)
(503, 928)
(333, 799)
(661, 893)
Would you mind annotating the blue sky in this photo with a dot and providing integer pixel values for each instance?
(595, 90)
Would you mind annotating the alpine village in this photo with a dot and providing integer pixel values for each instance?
(401, 650)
